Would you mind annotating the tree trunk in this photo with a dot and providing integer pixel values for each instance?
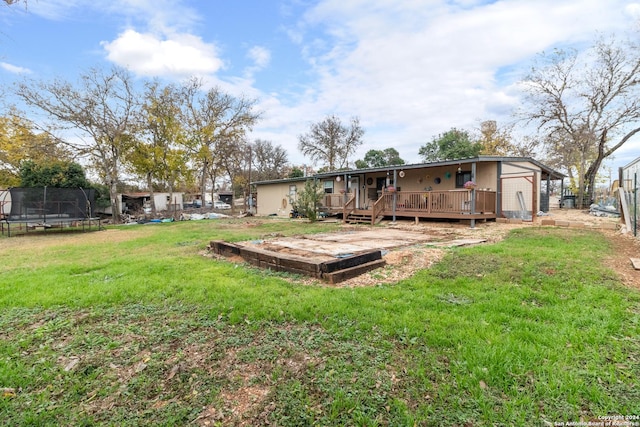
(590, 180)
(115, 201)
(172, 205)
(152, 199)
(203, 183)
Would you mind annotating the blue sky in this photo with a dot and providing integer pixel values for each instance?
(409, 69)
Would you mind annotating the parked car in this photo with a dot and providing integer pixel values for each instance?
(219, 204)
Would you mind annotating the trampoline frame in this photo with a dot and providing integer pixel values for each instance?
(37, 207)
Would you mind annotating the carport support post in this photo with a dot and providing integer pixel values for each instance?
(499, 191)
(44, 203)
(548, 192)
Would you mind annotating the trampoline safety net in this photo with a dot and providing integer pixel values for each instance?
(49, 204)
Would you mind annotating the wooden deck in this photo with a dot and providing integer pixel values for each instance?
(453, 204)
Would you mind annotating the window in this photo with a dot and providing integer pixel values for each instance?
(328, 187)
(462, 177)
(292, 191)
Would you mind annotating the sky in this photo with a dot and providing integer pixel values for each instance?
(409, 70)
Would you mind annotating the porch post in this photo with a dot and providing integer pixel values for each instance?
(473, 194)
(395, 193)
(346, 189)
(499, 189)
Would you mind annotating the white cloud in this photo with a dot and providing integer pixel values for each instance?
(261, 56)
(14, 68)
(413, 69)
(180, 55)
(156, 15)
(54, 9)
(409, 69)
(633, 10)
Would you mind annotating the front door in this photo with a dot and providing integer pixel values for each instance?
(381, 182)
(354, 187)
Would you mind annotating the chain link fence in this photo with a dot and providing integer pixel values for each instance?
(629, 180)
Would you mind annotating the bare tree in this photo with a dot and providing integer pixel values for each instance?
(234, 162)
(268, 161)
(331, 143)
(102, 106)
(586, 107)
(527, 146)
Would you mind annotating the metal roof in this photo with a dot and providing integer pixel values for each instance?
(553, 174)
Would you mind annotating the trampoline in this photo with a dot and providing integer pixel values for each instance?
(47, 207)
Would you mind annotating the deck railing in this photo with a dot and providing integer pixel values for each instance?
(336, 200)
(349, 207)
(485, 201)
(451, 201)
(437, 202)
(377, 208)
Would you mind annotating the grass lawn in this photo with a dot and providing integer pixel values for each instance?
(133, 326)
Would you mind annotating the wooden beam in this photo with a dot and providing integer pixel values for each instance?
(348, 262)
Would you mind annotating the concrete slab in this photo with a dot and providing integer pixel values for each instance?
(635, 262)
(333, 257)
(350, 242)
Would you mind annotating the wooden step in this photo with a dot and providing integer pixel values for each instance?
(359, 218)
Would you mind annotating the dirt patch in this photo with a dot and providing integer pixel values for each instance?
(403, 261)
(625, 246)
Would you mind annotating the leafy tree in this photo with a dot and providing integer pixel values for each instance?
(309, 199)
(453, 144)
(586, 107)
(296, 173)
(160, 158)
(53, 174)
(19, 142)
(103, 106)
(331, 143)
(216, 124)
(380, 158)
(496, 141)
